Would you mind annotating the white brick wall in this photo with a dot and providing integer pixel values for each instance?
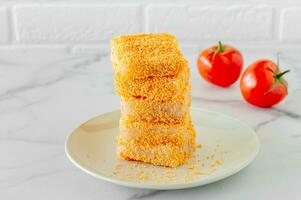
(4, 26)
(56, 24)
(251, 23)
(203, 23)
(291, 24)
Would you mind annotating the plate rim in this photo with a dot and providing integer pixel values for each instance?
(168, 186)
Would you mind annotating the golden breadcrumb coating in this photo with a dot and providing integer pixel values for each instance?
(133, 129)
(153, 88)
(146, 55)
(166, 148)
(152, 78)
(173, 111)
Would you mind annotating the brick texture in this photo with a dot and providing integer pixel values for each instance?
(203, 23)
(290, 29)
(74, 23)
(4, 25)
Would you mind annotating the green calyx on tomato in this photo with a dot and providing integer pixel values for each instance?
(278, 78)
(278, 75)
(220, 47)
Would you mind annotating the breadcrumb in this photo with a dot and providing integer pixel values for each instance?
(191, 167)
(200, 173)
(142, 176)
(219, 162)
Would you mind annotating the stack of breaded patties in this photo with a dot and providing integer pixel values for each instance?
(152, 79)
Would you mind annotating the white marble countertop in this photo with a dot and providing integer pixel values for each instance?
(45, 94)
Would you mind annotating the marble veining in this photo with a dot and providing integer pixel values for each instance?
(45, 94)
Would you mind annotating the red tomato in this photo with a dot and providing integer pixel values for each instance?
(262, 84)
(220, 64)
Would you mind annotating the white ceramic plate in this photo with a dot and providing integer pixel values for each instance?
(227, 146)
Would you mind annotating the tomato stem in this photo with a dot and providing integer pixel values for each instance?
(220, 47)
(278, 76)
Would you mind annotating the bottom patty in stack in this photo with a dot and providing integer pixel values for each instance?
(158, 143)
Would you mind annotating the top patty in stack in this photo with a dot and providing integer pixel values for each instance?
(147, 55)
